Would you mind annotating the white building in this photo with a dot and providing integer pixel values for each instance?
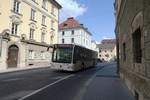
(72, 32)
(94, 46)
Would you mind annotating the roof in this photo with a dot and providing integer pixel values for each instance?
(108, 41)
(106, 46)
(54, 2)
(71, 23)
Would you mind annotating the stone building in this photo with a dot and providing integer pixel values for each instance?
(72, 32)
(107, 50)
(27, 28)
(133, 39)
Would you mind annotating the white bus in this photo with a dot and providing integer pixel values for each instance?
(71, 57)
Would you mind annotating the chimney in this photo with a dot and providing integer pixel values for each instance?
(81, 24)
(70, 18)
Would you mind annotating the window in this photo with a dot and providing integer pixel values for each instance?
(137, 51)
(44, 5)
(124, 51)
(33, 14)
(52, 24)
(42, 55)
(31, 34)
(43, 19)
(100, 50)
(51, 39)
(33, 0)
(42, 37)
(107, 55)
(30, 55)
(52, 10)
(136, 95)
(72, 32)
(16, 6)
(63, 40)
(72, 40)
(14, 29)
(62, 55)
(63, 32)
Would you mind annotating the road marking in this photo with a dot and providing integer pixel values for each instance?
(41, 89)
(14, 79)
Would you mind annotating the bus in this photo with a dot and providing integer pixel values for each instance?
(71, 57)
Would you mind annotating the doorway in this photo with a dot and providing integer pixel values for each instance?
(12, 56)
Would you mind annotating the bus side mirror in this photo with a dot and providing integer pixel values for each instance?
(49, 47)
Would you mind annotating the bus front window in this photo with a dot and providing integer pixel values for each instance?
(62, 55)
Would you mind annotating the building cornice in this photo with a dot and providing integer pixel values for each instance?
(54, 2)
(76, 28)
(35, 43)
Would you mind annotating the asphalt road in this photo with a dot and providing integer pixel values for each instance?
(45, 84)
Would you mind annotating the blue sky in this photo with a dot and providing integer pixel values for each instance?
(96, 15)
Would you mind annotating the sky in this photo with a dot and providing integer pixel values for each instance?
(96, 15)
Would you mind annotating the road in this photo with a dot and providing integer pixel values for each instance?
(45, 84)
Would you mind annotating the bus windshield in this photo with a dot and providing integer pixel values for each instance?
(62, 55)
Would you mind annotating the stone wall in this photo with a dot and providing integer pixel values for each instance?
(133, 15)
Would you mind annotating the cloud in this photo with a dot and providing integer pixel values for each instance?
(105, 37)
(71, 8)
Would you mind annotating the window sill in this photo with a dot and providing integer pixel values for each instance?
(44, 25)
(32, 40)
(44, 8)
(16, 13)
(53, 14)
(35, 2)
(15, 35)
(43, 42)
(33, 20)
(52, 29)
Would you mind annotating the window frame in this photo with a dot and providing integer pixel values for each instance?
(63, 41)
(31, 35)
(124, 51)
(72, 40)
(137, 47)
(42, 37)
(16, 6)
(14, 29)
(32, 14)
(43, 20)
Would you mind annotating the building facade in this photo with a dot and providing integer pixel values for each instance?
(94, 46)
(133, 39)
(27, 28)
(72, 32)
(107, 50)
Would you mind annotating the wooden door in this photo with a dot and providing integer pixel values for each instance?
(12, 56)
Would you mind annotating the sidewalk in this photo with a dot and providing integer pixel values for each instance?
(106, 85)
(22, 69)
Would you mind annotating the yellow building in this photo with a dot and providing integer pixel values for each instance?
(27, 27)
(107, 50)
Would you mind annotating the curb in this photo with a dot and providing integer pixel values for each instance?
(22, 69)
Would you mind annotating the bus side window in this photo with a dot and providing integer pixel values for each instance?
(76, 55)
